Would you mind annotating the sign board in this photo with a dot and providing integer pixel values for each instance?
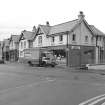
(75, 47)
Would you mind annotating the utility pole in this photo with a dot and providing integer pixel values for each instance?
(67, 50)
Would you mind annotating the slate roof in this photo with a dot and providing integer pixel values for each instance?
(28, 35)
(96, 31)
(67, 26)
(45, 28)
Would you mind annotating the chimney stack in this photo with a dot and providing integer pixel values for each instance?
(34, 29)
(81, 15)
(47, 23)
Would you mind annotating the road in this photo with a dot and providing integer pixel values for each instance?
(24, 85)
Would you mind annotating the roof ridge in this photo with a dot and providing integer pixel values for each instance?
(64, 22)
(59, 23)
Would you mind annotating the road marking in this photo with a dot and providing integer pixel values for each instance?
(98, 100)
(92, 99)
(103, 103)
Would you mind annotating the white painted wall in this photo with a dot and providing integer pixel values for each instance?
(12, 45)
(100, 42)
(57, 42)
(45, 41)
(81, 31)
(21, 48)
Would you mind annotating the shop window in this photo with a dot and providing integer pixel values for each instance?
(74, 37)
(61, 38)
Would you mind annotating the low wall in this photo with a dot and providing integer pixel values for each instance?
(96, 67)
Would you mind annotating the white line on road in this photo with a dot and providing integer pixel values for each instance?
(98, 100)
(92, 99)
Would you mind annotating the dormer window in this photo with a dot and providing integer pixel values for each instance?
(74, 37)
(86, 38)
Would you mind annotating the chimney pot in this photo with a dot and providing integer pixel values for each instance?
(34, 29)
(81, 15)
(47, 23)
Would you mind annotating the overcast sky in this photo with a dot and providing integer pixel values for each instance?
(18, 15)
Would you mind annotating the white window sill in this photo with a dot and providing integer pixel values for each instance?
(61, 42)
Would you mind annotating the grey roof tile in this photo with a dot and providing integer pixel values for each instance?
(28, 35)
(67, 26)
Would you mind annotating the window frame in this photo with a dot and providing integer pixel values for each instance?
(61, 38)
(86, 38)
(74, 37)
(40, 40)
(53, 39)
(24, 44)
(21, 44)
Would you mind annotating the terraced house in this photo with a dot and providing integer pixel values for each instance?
(73, 43)
(5, 49)
(14, 48)
(26, 42)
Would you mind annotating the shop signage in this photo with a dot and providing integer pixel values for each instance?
(75, 47)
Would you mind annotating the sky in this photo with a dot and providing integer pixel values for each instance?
(19, 15)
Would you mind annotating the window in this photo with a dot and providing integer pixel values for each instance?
(30, 44)
(86, 38)
(92, 39)
(53, 39)
(61, 38)
(99, 38)
(40, 39)
(24, 44)
(73, 37)
(21, 44)
(12, 43)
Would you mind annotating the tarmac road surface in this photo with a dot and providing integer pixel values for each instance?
(24, 85)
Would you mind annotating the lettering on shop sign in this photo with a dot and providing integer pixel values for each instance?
(75, 47)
